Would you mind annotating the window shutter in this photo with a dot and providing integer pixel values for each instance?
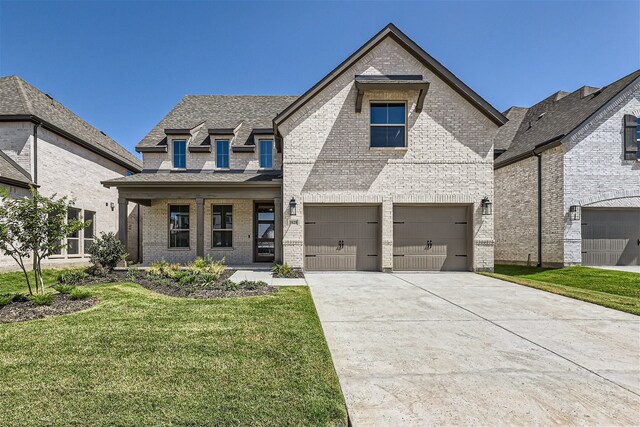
(630, 134)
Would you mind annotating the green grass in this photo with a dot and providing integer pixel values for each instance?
(614, 289)
(140, 358)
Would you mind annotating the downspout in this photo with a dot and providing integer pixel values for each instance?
(539, 156)
(36, 125)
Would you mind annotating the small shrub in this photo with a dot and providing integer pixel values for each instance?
(64, 289)
(228, 285)
(185, 277)
(251, 285)
(6, 299)
(164, 268)
(132, 274)
(285, 271)
(107, 251)
(42, 299)
(207, 266)
(79, 293)
(73, 277)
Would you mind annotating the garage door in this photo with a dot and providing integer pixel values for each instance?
(430, 238)
(341, 238)
(610, 237)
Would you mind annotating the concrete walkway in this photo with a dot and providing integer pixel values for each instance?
(628, 268)
(460, 348)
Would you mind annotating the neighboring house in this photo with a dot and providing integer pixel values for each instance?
(45, 145)
(382, 165)
(567, 179)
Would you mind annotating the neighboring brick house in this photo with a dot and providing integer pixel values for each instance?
(45, 145)
(567, 179)
(385, 164)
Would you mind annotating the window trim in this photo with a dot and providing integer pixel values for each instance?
(217, 165)
(260, 153)
(231, 230)
(404, 125)
(93, 226)
(178, 248)
(173, 153)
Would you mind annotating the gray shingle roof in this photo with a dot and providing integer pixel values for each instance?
(195, 178)
(507, 132)
(19, 98)
(11, 172)
(554, 117)
(243, 113)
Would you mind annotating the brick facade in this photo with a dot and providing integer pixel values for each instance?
(448, 159)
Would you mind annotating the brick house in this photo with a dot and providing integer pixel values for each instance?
(45, 145)
(567, 179)
(385, 164)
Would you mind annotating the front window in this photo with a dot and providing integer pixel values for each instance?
(90, 231)
(180, 154)
(222, 154)
(73, 239)
(179, 226)
(266, 153)
(388, 124)
(222, 226)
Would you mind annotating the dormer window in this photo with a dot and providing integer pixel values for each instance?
(388, 125)
(179, 153)
(222, 154)
(266, 153)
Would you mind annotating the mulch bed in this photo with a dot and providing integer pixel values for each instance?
(62, 304)
(173, 288)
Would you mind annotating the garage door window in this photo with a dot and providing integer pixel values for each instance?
(388, 125)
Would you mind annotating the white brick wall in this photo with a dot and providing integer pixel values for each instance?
(595, 170)
(449, 158)
(66, 169)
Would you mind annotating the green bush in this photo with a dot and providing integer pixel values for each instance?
(42, 299)
(107, 251)
(164, 269)
(79, 293)
(6, 299)
(245, 285)
(185, 277)
(64, 289)
(285, 271)
(228, 285)
(207, 266)
(132, 274)
(72, 277)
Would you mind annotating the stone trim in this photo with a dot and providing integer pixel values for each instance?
(611, 195)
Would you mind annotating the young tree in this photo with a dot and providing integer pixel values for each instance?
(35, 227)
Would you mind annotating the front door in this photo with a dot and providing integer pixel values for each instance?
(265, 232)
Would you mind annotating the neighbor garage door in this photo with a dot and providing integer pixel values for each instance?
(430, 238)
(610, 237)
(341, 237)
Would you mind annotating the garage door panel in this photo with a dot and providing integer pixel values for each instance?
(610, 237)
(357, 227)
(445, 228)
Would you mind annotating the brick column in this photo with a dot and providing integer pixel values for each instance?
(387, 234)
(200, 227)
(123, 215)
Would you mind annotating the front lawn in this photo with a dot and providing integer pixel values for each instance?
(614, 289)
(141, 358)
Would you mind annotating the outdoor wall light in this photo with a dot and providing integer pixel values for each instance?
(487, 206)
(574, 213)
(292, 206)
(113, 206)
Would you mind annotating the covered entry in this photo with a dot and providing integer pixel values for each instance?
(342, 238)
(611, 237)
(430, 238)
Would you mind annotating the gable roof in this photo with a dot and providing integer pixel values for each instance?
(506, 133)
(21, 101)
(11, 173)
(202, 115)
(391, 31)
(555, 117)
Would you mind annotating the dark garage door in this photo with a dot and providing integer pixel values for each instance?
(427, 238)
(610, 236)
(341, 238)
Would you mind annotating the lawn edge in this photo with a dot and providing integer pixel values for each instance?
(574, 293)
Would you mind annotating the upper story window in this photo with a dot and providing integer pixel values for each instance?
(180, 153)
(388, 124)
(222, 153)
(179, 226)
(266, 153)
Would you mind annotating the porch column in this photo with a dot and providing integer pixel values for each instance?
(123, 215)
(278, 231)
(200, 227)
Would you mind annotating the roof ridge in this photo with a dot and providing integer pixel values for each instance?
(25, 99)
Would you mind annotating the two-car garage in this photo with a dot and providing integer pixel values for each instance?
(425, 238)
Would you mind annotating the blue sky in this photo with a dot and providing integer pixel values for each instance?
(123, 65)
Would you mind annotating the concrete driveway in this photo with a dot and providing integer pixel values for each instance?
(460, 348)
